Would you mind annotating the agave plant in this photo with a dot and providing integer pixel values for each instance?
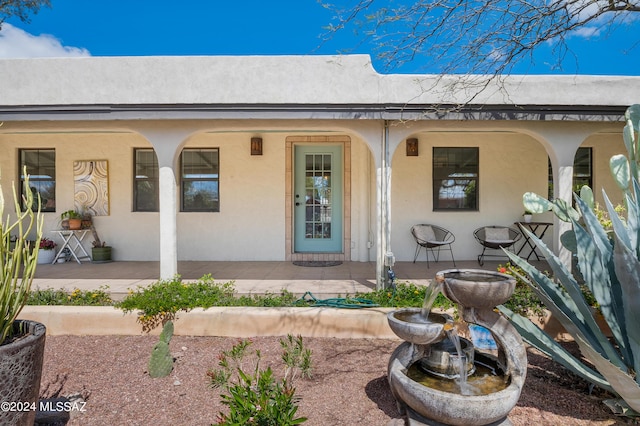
(608, 262)
(18, 258)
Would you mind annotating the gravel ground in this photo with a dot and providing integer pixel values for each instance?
(348, 387)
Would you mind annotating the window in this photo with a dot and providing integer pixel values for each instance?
(582, 174)
(145, 181)
(582, 171)
(41, 168)
(455, 178)
(199, 180)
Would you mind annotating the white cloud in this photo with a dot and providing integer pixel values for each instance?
(16, 43)
(586, 32)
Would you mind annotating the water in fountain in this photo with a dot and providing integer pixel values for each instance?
(461, 379)
(432, 291)
(486, 380)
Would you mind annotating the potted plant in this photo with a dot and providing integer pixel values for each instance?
(47, 251)
(71, 219)
(100, 252)
(21, 341)
(527, 215)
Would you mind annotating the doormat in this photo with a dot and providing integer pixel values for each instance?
(317, 263)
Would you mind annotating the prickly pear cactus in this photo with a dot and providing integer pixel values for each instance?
(161, 361)
(167, 332)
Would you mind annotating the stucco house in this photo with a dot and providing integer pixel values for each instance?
(283, 158)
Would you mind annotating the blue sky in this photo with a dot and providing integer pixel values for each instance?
(252, 27)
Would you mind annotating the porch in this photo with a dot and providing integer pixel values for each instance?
(250, 277)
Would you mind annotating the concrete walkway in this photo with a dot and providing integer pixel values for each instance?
(249, 277)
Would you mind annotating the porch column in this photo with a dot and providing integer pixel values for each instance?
(375, 135)
(563, 143)
(167, 140)
(562, 189)
(384, 256)
(168, 223)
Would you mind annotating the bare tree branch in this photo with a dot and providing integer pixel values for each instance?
(20, 8)
(474, 36)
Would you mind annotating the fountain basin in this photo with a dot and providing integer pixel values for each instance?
(477, 288)
(446, 407)
(411, 326)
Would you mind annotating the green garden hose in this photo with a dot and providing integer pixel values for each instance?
(337, 302)
(346, 302)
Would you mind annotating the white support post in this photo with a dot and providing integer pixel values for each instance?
(167, 140)
(384, 259)
(168, 227)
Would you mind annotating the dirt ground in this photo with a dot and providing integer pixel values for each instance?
(349, 384)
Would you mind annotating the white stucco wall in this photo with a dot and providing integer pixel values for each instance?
(251, 223)
(510, 165)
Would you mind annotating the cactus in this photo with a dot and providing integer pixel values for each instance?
(167, 332)
(161, 361)
(609, 264)
(18, 259)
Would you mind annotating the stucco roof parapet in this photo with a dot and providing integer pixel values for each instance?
(290, 80)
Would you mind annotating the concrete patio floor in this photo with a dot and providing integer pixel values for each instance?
(249, 277)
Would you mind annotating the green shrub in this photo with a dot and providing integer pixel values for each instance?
(162, 300)
(57, 297)
(524, 301)
(404, 295)
(255, 396)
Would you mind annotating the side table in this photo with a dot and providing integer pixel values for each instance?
(538, 229)
(73, 240)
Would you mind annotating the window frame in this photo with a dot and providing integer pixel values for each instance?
(184, 181)
(438, 178)
(136, 202)
(34, 178)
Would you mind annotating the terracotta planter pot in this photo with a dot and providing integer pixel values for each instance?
(20, 373)
(75, 223)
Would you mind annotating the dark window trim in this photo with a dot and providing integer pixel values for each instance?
(135, 207)
(434, 178)
(32, 179)
(183, 181)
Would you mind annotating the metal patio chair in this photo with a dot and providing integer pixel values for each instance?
(495, 238)
(433, 238)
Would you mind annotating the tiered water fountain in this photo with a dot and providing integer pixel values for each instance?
(438, 377)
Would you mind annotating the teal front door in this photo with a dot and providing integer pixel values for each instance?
(318, 199)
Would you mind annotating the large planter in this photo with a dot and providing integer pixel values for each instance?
(20, 372)
(101, 254)
(46, 256)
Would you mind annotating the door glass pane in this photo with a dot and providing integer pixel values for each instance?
(318, 196)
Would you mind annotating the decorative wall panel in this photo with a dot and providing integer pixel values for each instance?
(91, 180)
